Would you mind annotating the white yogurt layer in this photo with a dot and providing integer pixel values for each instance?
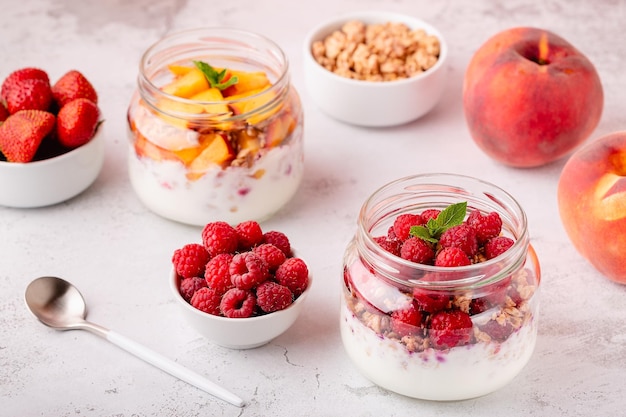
(459, 373)
(233, 194)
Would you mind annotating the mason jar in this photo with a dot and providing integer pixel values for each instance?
(491, 304)
(196, 155)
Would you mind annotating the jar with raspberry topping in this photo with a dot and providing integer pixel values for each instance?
(440, 288)
(215, 128)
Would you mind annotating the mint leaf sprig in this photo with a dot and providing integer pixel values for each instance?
(215, 78)
(451, 216)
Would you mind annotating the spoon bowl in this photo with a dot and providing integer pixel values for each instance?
(56, 303)
(59, 304)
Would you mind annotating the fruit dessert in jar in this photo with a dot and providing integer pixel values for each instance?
(440, 295)
(215, 128)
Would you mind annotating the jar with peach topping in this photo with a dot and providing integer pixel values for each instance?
(426, 321)
(215, 128)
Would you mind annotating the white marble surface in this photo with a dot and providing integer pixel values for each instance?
(118, 252)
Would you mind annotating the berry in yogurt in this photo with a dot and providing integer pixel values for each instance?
(429, 336)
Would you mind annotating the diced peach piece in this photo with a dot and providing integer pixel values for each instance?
(187, 85)
(217, 151)
(247, 142)
(145, 148)
(252, 100)
(247, 81)
(179, 70)
(214, 96)
(279, 128)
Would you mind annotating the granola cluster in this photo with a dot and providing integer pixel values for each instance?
(377, 52)
(495, 324)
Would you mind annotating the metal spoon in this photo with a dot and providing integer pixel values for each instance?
(58, 304)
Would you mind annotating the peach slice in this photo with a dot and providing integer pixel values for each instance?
(251, 101)
(187, 85)
(247, 142)
(213, 96)
(145, 148)
(279, 128)
(216, 151)
(246, 81)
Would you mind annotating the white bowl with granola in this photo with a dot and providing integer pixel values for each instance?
(375, 68)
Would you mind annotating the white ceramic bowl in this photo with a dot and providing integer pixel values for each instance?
(245, 333)
(51, 181)
(374, 103)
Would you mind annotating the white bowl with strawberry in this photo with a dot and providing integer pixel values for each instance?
(50, 149)
(240, 287)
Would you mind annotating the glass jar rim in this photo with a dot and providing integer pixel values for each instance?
(172, 40)
(471, 275)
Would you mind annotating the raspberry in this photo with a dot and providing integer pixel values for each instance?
(219, 237)
(217, 275)
(293, 274)
(208, 300)
(406, 322)
(249, 234)
(461, 236)
(403, 223)
(238, 303)
(498, 332)
(279, 240)
(417, 250)
(188, 287)
(271, 255)
(271, 296)
(430, 214)
(391, 234)
(450, 328)
(247, 270)
(392, 246)
(452, 256)
(486, 226)
(497, 246)
(190, 260)
(430, 301)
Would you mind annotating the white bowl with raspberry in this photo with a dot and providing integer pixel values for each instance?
(239, 288)
(351, 80)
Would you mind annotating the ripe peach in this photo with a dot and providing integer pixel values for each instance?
(592, 203)
(530, 97)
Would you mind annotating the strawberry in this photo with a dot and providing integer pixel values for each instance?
(71, 86)
(22, 133)
(4, 113)
(31, 94)
(77, 122)
(17, 77)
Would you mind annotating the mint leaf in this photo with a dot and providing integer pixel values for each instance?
(215, 79)
(423, 233)
(451, 216)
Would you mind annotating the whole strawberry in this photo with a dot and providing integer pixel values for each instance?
(71, 86)
(22, 133)
(31, 94)
(77, 122)
(17, 77)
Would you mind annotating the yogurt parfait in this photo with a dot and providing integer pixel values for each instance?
(215, 128)
(441, 287)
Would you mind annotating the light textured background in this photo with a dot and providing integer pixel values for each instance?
(118, 252)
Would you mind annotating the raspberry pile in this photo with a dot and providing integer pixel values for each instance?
(40, 120)
(446, 237)
(451, 237)
(240, 271)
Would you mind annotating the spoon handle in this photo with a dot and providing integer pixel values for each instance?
(173, 368)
